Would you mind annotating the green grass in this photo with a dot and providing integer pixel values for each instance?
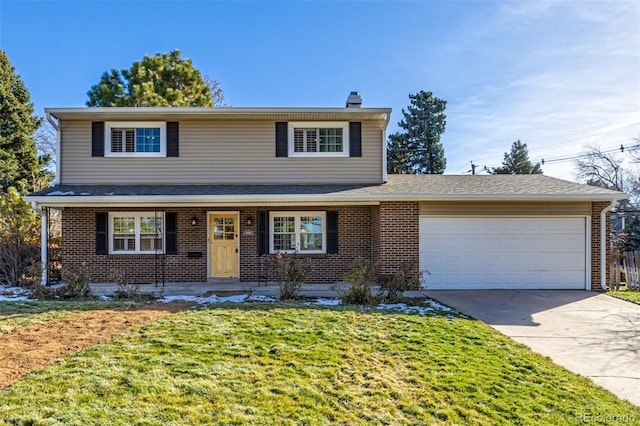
(23, 313)
(290, 364)
(628, 295)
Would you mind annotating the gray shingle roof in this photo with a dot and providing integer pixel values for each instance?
(398, 187)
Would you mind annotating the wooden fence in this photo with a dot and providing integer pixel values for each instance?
(625, 267)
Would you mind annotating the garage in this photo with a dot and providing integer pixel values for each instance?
(504, 252)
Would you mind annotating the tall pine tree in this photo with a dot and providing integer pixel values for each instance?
(418, 150)
(160, 80)
(517, 162)
(20, 166)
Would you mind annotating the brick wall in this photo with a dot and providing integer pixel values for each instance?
(78, 246)
(596, 208)
(397, 238)
(354, 240)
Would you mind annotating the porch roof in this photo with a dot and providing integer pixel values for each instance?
(397, 188)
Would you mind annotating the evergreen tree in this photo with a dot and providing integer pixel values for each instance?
(20, 166)
(517, 162)
(160, 80)
(418, 150)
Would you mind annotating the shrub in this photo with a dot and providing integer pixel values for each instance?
(290, 271)
(126, 289)
(76, 284)
(40, 292)
(408, 277)
(75, 287)
(361, 279)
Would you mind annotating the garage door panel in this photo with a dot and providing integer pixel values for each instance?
(503, 252)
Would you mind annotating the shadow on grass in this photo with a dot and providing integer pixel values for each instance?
(32, 307)
(423, 310)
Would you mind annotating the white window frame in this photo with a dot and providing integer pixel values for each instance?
(297, 215)
(135, 125)
(344, 125)
(137, 233)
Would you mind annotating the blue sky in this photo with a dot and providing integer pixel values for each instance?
(556, 75)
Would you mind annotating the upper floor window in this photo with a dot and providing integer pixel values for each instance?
(144, 139)
(323, 139)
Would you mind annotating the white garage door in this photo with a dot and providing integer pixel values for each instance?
(513, 253)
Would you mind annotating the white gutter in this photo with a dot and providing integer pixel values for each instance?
(55, 125)
(44, 243)
(384, 148)
(603, 244)
(72, 199)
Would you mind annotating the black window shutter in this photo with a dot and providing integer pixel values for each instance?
(263, 232)
(102, 226)
(282, 136)
(173, 143)
(332, 232)
(171, 233)
(355, 139)
(97, 139)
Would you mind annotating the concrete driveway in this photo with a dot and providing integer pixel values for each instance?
(591, 334)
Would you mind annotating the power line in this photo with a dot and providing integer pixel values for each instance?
(573, 157)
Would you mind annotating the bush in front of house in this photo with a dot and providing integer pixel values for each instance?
(408, 277)
(361, 279)
(76, 286)
(128, 290)
(362, 282)
(291, 271)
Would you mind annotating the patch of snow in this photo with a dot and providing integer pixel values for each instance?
(85, 193)
(61, 193)
(420, 310)
(13, 294)
(236, 298)
(327, 302)
(196, 299)
(258, 298)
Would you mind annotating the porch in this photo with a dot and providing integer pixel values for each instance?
(197, 289)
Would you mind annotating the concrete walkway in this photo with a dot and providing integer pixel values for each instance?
(220, 287)
(591, 334)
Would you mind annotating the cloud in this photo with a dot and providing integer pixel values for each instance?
(572, 79)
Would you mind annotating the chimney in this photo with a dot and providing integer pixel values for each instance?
(354, 100)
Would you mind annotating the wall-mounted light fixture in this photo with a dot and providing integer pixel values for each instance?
(249, 222)
(194, 221)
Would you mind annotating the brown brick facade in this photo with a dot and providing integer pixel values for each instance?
(78, 246)
(396, 235)
(387, 233)
(596, 208)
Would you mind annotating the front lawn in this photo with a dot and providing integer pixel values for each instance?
(294, 364)
(628, 295)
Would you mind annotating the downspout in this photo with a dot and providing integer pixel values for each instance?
(55, 125)
(603, 244)
(44, 243)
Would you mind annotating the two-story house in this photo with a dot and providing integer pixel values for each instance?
(198, 194)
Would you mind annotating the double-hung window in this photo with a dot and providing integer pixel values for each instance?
(138, 232)
(135, 139)
(301, 232)
(322, 139)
